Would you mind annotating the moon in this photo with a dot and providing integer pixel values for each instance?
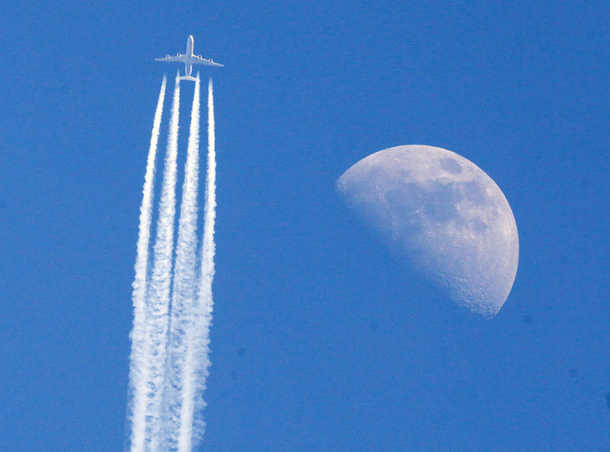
(444, 215)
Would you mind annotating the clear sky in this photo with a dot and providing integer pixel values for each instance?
(320, 342)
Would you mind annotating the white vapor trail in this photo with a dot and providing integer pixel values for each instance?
(197, 362)
(184, 284)
(138, 363)
(159, 287)
(170, 341)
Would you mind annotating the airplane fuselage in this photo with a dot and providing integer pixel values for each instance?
(188, 64)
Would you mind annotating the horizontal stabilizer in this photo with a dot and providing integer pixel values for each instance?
(187, 77)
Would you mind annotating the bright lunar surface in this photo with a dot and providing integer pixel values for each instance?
(443, 214)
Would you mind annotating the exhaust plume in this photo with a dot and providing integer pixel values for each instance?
(138, 363)
(184, 284)
(159, 288)
(192, 426)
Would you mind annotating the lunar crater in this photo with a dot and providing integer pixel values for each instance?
(451, 165)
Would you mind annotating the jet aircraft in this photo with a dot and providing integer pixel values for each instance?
(189, 59)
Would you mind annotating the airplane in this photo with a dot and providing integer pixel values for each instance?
(189, 59)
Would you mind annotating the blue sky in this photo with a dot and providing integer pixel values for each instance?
(320, 340)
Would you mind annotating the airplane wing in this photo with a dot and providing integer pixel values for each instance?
(206, 61)
(175, 58)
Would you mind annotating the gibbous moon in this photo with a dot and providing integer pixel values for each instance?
(445, 216)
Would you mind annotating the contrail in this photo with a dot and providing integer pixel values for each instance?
(184, 284)
(138, 364)
(159, 288)
(192, 425)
